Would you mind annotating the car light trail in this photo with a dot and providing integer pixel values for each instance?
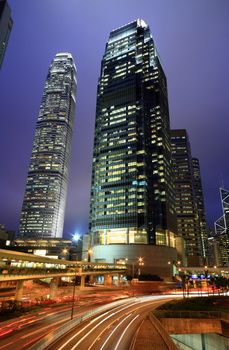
(120, 339)
(75, 335)
(104, 344)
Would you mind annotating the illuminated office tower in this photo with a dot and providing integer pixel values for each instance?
(220, 237)
(45, 195)
(132, 190)
(222, 224)
(199, 196)
(189, 198)
(6, 24)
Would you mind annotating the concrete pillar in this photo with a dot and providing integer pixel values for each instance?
(19, 290)
(91, 279)
(107, 280)
(53, 287)
(119, 279)
(82, 281)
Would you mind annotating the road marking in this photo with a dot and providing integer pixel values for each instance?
(125, 331)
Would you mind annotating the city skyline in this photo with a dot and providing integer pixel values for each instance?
(78, 198)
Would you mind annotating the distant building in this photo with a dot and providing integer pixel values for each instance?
(191, 223)
(132, 199)
(6, 24)
(218, 250)
(5, 236)
(42, 214)
(220, 237)
(222, 224)
(199, 196)
(58, 248)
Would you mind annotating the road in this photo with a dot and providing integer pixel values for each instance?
(22, 332)
(115, 329)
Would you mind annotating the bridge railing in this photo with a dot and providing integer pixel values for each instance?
(191, 314)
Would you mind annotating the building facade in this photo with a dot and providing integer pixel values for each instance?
(189, 199)
(6, 24)
(199, 196)
(220, 237)
(132, 192)
(43, 208)
(222, 224)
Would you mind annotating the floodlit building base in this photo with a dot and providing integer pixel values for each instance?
(156, 260)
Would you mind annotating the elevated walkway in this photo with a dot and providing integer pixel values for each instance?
(22, 266)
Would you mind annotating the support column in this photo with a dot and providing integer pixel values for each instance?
(53, 287)
(119, 279)
(82, 281)
(107, 280)
(91, 279)
(19, 290)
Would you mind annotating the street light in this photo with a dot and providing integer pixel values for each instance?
(76, 237)
(140, 263)
(90, 251)
(73, 295)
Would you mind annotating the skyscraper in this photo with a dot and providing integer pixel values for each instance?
(189, 198)
(222, 224)
(6, 24)
(199, 196)
(132, 190)
(45, 195)
(220, 238)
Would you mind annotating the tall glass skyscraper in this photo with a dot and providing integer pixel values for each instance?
(132, 189)
(45, 195)
(200, 205)
(222, 224)
(191, 222)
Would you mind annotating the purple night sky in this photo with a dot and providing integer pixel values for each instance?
(192, 38)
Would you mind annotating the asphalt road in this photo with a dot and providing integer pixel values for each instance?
(115, 329)
(20, 333)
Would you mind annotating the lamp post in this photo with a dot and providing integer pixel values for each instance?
(73, 296)
(89, 252)
(140, 263)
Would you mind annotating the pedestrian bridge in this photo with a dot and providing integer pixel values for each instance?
(17, 266)
(22, 266)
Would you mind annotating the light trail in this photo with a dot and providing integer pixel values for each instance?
(114, 322)
(121, 308)
(104, 344)
(3, 346)
(75, 335)
(120, 339)
(40, 329)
